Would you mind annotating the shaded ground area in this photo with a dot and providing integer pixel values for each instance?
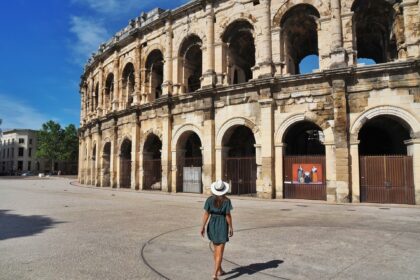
(52, 230)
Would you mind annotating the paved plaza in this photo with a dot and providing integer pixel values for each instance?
(50, 229)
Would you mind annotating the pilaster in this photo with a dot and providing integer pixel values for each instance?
(168, 66)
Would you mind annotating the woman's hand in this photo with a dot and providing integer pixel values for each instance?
(230, 231)
(202, 231)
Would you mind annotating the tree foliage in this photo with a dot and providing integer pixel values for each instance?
(57, 144)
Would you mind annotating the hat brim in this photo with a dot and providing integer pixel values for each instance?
(222, 192)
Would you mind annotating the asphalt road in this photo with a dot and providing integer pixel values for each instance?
(50, 229)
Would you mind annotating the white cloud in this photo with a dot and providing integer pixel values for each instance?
(16, 114)
(89, 35)
(114, 7)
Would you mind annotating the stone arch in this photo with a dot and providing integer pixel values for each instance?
(322, 8)
(290, 121)
(408, 119)
(123, 139)
(127, 60)
(152, 131)
(190, 66)
(105, 141)
(238, 17)
(180, 131)
(149, 50)
(239, 121)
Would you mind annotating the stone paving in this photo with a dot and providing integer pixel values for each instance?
(50, 229)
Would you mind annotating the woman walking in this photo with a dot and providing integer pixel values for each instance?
(220, 227)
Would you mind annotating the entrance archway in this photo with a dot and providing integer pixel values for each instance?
(239, 160)
(386, 171)
(189, 163)
(152, 163)
(304, 162)
(106, 165)
(125, 164)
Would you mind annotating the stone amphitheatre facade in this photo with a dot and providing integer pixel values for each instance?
(214, 89)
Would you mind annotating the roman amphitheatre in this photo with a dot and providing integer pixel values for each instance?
(217, 89)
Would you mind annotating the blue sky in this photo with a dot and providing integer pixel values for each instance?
(44, 45)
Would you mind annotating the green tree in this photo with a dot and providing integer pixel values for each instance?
(57, 144)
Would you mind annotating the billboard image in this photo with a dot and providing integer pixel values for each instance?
(307, 173)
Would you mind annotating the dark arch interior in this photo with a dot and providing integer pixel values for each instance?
(109, 85)
(94, 153)
(96, 103)
(374, 23)
(383, 135)
(107, 149)
(126, 149)
(129, 81)
(304, 138)
(107, 165)
(241, 142)
(193, 62)
(241, 47)
(154, 66)
(192, 146)
(300, 33)
(152, 147)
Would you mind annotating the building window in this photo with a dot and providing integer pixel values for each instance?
(20, 165)
(21, 141)
(29, 166)
(20, 154)
(30, 141)
(8, 152)
(30, 152)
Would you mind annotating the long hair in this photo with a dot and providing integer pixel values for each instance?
(218, 200)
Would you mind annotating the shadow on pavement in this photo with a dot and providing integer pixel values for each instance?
(252, 269)
(14, 226)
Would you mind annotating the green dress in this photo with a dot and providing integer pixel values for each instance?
(217, 228)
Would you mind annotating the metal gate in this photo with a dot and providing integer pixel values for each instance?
(191, 180)
(152, 174)
(125, 181)
(387, 179)
(304, 177)
(189, 175)
(241, 173)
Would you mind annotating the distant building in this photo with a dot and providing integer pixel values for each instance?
(18, 154)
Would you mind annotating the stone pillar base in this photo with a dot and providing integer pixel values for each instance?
(209, 80)
(167, 88)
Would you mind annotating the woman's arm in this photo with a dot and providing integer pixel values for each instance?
(206, 216)
(230, 223)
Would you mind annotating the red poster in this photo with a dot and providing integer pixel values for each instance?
(307, 173)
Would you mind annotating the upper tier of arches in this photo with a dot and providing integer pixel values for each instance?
(232, 42)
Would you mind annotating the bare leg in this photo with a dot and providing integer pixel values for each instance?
(218, 258)
(222, 249)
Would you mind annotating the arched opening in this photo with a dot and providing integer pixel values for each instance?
(125, 164)
(106, 165)
(241, 51)
(128, 84)
(304, 162)
(152, 163)
(300, 38)
(189, 163)
(96, 97)
(192, 63)
(109, 91)
(94, 165)
(154, 74)
(239, 160)
(378, 27)
(386, 171)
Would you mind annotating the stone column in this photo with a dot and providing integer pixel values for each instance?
(166, 151)
(277, 51)
(116, 94)
(209, 75)
(88, 179)
(114, 158)
(174, 171)
(338, 54)
(100, 106)
(279, 178)
(208, 152)
(341, 140)
(411, 26)
(266, 188)
(143, 89)
(355, 171)
(137, 73)
(135, 145)
(98, 172)
(331, 172)
(219, 162)
(264, 48)
(168, 83)
(413, 149)
(220, 63)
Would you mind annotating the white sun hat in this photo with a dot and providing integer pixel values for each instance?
(219, 188)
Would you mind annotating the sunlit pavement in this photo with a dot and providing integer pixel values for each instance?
(50, 229)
